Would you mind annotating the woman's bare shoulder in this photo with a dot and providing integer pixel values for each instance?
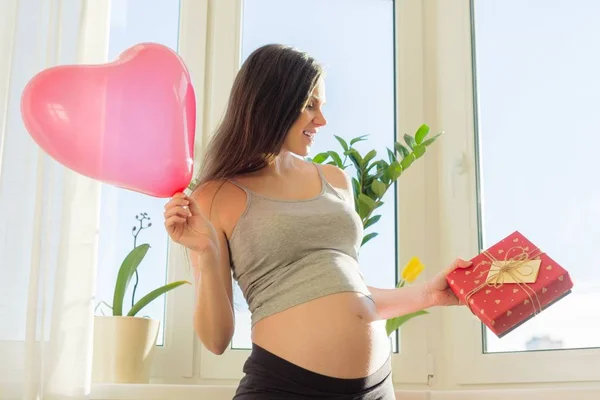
(221, 202)
(337, 177)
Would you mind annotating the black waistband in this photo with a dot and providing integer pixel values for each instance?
(279, 366)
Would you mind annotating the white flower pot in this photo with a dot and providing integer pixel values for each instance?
(123, 349)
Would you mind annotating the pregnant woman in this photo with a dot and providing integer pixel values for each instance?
(286, 230)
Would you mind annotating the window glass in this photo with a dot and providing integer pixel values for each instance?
(538, 93)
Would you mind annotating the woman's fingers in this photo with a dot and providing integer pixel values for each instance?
(179, 208)
(458, 263)
(174, 220)
(178, 205)
(179, 211)
(181, 200)
(193, 206)
(177, 202)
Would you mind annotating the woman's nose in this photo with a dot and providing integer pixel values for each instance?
(320, 119)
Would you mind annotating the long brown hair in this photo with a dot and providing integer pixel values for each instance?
(268, 94)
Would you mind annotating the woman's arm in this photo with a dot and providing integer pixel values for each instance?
(393, 303)
(213, 309)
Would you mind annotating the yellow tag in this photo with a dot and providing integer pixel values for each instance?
(526, 273)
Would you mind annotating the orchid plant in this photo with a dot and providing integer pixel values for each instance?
(129, 269)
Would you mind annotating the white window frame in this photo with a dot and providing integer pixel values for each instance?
(452, 74)
(174, 361)
(223, 54)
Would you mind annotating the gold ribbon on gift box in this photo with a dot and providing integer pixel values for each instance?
(520, 269)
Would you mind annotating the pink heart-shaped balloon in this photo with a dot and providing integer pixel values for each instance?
(129, 123)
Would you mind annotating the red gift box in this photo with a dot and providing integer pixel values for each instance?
(509, 283)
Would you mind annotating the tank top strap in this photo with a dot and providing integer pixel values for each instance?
(325, 183)
(239, 185)
(321, 174)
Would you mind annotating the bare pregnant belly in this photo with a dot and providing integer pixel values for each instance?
(337, 335)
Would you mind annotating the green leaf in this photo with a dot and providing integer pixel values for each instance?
(407, 162)
(395, 170)
(144, 301)
(385, 178)
(401, 149)
(356, 159)
(371, 221)
(391, 156)
(394, 323)
(356, 187)
(126, 271)
(369, 202)
(342, 143)
(429, 141)
(320, 158)
(362, 209)
(336, 158)
(358, 139)
(410, 141)
(379, 188)
(370, 155)
(376, 175)
(382, 169)
(374, 164)
(422, 132)
(419, 150)
(367, 181)
(379, 174)
(369, 237)
(365, 205)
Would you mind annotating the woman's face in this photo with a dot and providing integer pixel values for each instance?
(302, 134)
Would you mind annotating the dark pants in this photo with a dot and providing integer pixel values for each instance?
(269, 377)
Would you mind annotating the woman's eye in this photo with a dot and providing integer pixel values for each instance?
(310, 106)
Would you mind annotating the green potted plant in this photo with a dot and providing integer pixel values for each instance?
(371, 181)
(124, 342)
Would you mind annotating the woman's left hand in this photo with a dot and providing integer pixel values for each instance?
(437, 290)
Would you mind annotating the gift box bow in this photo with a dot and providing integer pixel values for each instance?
(519, 266)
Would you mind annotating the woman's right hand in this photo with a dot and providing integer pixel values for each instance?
(187, 226)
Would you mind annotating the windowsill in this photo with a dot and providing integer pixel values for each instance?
(161, 391)
(218, 392)
(190, 392)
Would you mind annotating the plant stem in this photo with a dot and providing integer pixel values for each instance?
(137, 277)
(136, 232)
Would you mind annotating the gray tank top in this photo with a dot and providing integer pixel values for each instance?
(288, 252)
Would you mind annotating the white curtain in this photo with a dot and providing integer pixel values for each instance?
(48, 214)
